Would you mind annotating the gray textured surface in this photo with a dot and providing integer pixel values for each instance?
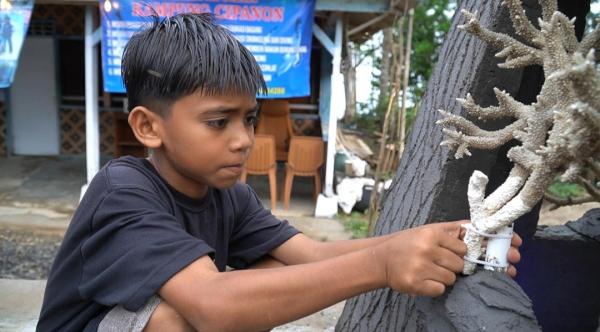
(430, 185)
(485, 301)
(27, 182)
(20, 304)
(588, 225)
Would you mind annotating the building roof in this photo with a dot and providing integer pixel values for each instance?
(364, 17)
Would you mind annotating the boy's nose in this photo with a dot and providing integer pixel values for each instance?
(242, 139)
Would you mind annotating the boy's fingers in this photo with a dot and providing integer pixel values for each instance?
(453, 244)
(431, 288)
(441, 274)
(514, 256)
(453, 228)
(512, 271)
(516, 240)
(449, 260)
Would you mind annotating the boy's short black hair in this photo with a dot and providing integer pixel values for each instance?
(184, 54)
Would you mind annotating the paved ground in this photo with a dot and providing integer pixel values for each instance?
(21, 300)
(37, 198)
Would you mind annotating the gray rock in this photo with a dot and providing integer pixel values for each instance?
(485, 301)
(588, 225)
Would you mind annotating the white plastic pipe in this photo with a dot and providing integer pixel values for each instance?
(497, 250)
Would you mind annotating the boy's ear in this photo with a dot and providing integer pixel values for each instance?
(145, 125)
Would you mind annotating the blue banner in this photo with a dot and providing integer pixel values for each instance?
(277, 32)
(14, 20)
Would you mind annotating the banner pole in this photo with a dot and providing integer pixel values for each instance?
(92, 132)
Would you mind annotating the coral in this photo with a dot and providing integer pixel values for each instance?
(559, 134)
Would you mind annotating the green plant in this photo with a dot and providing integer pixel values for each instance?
(434, 19)
(356, 223)
(566, 189)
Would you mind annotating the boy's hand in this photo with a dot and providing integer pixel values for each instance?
(514, 256)
(424, 260)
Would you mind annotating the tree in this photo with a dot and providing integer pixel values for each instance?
(352, 56)
(433, 20)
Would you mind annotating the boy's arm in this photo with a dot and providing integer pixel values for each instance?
(418, 261)
(302, 249)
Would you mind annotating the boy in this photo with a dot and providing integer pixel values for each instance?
(149, 244)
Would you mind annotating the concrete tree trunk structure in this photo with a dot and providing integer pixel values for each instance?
(559, 133)
(430, 185)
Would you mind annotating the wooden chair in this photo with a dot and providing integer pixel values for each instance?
(262, 162)
(275, 120)
(305, 158)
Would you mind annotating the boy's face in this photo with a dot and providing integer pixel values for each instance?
(206, 141)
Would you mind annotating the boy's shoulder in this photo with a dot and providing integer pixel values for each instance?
(124, 174)
(138, 174)
(124, 183)
(127, 172)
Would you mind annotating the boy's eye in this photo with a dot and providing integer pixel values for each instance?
(251, 120)
(219, 123)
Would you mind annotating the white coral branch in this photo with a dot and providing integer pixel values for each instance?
(471, 129)
(487, 220)
(527, 159)
(549, 7)
(560, 133)
(590, 41)
(507, 107)
(591, 188)
(570, 41)
(481, 113)
(514, 51)
(593, 166)
(585, 79)
(556, 56)
(482, 139)
(521, 23)
(486, 142)
(573, 171)
(506, 190)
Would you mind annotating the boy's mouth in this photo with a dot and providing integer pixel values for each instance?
(234, 168)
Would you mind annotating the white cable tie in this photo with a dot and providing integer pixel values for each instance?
(480, 262)
(488, 235)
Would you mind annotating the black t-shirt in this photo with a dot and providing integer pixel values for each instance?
(132, 232)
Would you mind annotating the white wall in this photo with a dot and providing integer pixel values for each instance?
(33, 100)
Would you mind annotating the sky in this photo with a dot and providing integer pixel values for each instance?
(364, 75)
